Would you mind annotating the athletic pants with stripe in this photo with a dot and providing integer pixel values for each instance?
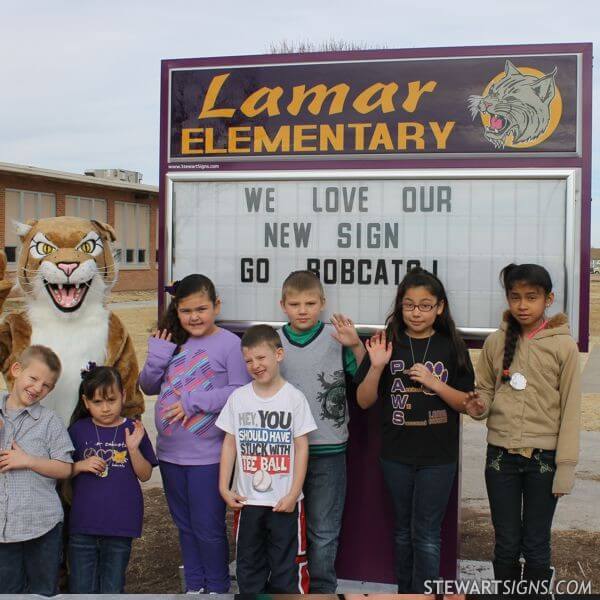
(271, 550)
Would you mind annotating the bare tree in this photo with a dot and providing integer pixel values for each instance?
(331, 45)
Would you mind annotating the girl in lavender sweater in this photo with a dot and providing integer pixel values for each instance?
(194, 365)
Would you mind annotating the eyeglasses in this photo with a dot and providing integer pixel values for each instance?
(424, 308)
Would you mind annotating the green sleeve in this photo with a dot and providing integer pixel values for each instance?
(350, 365)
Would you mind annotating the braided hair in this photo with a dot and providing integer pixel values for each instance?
(512, 274)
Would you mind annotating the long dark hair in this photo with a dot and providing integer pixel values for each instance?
(95, 378)
(444, 323)
(192, 284)
(529, 274)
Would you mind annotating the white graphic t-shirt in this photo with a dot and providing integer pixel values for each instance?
(264, 430)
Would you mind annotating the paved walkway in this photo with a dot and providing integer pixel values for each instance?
(590, 378)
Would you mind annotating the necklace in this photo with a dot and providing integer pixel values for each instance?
(412, 353)
(537, 329)
(109, 460)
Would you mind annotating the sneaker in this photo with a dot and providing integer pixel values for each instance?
(200, 591)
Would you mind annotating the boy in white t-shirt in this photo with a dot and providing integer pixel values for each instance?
(265, 424)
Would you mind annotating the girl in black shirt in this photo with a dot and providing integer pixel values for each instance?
(420, 369)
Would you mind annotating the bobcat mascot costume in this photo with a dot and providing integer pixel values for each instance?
(66, 270)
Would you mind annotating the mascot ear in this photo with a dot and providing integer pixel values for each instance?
(22, 229)
(106, 231)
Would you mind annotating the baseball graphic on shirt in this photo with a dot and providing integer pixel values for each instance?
(261, 481)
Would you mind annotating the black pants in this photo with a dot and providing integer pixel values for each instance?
(271, 551)
(522, 505)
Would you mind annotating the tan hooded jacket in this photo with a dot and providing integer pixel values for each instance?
(547, 413)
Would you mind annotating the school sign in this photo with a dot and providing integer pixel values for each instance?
(361, 165)
(375, 108)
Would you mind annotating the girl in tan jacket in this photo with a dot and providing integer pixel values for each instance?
(528, 387)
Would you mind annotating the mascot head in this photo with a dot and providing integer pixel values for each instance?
(66, 263)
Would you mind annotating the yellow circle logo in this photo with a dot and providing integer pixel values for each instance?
(520, 107)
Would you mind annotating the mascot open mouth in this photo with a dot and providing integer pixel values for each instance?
(499, 129)
(498, 124)
(67, 296)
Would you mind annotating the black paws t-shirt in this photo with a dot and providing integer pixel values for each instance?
(418, 426)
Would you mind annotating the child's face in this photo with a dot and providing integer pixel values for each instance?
(419, 310)
(197, 314)
(31, 383)
(106, 406)
(527, 303)
(303, 308)
(262, 362)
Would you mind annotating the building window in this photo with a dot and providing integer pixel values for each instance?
(132, 225)
(22, 206)
(86, 208)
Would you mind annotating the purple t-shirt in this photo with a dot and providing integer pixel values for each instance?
(112, 504)
(202, 375)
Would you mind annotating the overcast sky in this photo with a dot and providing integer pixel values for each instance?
(80, 78)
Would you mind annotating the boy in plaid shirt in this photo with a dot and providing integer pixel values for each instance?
(35, 451)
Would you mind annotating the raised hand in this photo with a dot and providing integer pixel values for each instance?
(134, 438)
(162, 334)
(345, 332)
(379, 349)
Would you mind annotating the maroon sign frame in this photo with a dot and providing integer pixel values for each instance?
(366, 544)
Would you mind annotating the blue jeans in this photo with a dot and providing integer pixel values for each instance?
(324, 497)
(420, 496)
(522, 506)
(97, 563)
(32, 566)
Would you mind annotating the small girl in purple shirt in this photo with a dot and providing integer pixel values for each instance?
(112, 455)
(194, 365)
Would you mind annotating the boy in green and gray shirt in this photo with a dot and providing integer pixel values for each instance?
(316, 357)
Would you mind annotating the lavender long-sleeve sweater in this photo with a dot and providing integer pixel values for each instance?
(202, 375)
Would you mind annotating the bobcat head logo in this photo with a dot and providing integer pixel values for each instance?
(519, 108)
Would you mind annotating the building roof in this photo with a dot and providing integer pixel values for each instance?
(76, 178)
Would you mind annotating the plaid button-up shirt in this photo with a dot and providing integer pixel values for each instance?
(29, 503)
